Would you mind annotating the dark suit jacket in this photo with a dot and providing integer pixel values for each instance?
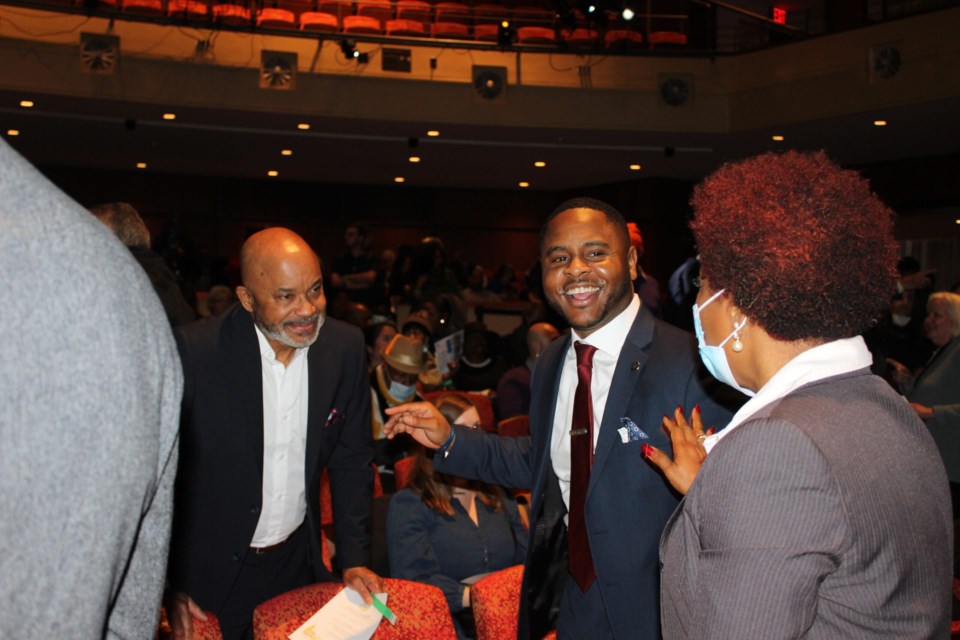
(628, 502)
(824, 515)
(219, 484)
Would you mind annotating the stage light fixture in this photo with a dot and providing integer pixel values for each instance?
(505, 34)
(627, 14)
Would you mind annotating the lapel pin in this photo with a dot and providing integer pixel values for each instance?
(635, 366)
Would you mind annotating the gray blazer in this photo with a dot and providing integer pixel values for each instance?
(938, 386)
(826, 515)
(89, 399)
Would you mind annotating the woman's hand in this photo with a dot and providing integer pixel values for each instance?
(688, 451)
(925, 412)
(898, 372)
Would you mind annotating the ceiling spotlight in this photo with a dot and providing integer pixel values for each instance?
(273, 173)
(592, 8)
(286, 152)
(141, 165)
(524, 185)
(414, 159)
(169, 116)
(777, 138)
(303, 126)
(627, 14)
(540, 164)
(433, 133)
(13, 132)
(879, 123)
(399, 179)
(635, 167)
(349, 49)
(26, 104)
(505, 34)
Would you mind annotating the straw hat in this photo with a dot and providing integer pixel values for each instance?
(403, 354)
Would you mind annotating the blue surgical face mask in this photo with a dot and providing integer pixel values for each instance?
(715, 358)
(402, 392)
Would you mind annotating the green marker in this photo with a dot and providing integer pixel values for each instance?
(382, 608)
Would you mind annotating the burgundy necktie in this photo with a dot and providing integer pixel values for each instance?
(581, 459)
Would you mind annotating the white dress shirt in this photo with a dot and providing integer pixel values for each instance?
(609, 341)
(285, 400)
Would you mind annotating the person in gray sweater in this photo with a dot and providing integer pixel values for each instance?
(90, 387)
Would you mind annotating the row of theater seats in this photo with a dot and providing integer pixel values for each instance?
(404, 18)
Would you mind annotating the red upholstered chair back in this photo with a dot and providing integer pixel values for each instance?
(496, 604)
(514, 427)
(421, 612)
(402, 469)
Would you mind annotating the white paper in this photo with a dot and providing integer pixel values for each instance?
(448, 350)
(344, 617)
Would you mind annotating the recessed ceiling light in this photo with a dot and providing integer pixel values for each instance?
(524, 185)
(399, 179)
(777, 138)
(635, 167)
(273, 173)
(169, 116)
(879, 123)
(303, 126)
(26, 104)
(414, 159)
(13, 132)
(141, 165)
(286, 152)
(433, 133)
(957, 220)
(540, 163)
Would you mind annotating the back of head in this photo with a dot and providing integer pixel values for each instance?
(125, 222)
(803, 246)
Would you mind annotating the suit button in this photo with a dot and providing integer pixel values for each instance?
(254, 509)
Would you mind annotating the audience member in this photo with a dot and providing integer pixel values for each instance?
(505, 283)
(444, 530)
(476, 291)
(220, 298)
(88, 422)
(377, 336)
(592, 569)
(644, 284)
(480, 367)
(513, 388)
(274, 393)
(392, 383)
(821, 510)
(355, 270)
(433, 275)
(126, 223)
(935, 392)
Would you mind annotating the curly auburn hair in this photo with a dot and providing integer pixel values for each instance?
(803, 246)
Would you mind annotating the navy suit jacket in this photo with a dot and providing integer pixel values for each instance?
(628, 501)
(220, 479)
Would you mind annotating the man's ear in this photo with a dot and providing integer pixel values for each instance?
(246, 298)
(632, 262)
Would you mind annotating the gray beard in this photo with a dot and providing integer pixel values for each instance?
(275, 332)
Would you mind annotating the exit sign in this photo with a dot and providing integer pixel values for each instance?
(779, 15)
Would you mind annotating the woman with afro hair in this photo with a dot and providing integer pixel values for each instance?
(822, 510)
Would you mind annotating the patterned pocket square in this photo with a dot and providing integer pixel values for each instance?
(630, 432)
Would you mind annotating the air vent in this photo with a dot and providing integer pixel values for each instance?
(99, 53)
(278, 70)
(490, 84)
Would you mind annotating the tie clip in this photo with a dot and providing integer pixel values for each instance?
(578, 432)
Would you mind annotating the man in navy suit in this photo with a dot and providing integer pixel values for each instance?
(642, 369)
(274, 392)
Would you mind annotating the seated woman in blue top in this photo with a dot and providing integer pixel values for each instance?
(442, 530)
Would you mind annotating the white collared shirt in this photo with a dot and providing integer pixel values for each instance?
(820, 362)
(285, 400)
(608, 340)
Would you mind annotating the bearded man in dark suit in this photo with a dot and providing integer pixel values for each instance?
(275, 392)
(606, 585)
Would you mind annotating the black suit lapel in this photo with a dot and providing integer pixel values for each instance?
(243, 377)
(631, 364)
(322, 390)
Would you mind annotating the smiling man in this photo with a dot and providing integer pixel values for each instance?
(274, 393)
(597, 508)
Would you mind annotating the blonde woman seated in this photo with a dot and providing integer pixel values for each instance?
(444, 530)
